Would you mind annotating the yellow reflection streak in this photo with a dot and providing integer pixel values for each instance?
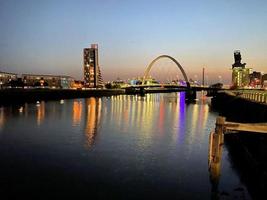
(144, 120)
(40, 113)
(133, 110)
(76, 112)
(93, 114)
(195, 117)
(161, 118)
(117, 109)
(205, 114)
(2, 118)
(139, 112)
(125, 114)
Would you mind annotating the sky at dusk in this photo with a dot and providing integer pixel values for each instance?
(48, 36)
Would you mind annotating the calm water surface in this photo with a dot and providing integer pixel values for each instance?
(120, 147)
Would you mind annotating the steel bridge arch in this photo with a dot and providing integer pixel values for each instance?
(171, 58)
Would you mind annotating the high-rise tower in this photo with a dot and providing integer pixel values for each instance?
(238, 58)
(92, 74)
(240, 74)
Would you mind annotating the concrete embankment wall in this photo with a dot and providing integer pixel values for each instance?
(9, 96)
(247, 150)
(247, 153)
(235, 108)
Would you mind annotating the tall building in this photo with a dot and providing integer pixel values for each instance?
(92, 74)
(240, 74)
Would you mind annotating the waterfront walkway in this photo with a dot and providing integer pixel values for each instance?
(259, 96)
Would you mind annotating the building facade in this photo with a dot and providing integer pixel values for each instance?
(240, 74)
(264, 80)
(6, 78)
(256, 79)
(50, 81)
(92, 74)
(240, 77)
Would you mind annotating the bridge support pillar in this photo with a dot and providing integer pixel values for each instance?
(142, 91)
(190, 95)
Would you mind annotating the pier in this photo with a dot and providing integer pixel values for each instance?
(247, 142)
(225, 127)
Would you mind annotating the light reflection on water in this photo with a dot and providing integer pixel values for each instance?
(138, 144)
(40, 112)
(77, 112)
(2, 118)
(93, 115)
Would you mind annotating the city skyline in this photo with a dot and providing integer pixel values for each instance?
(49, 36)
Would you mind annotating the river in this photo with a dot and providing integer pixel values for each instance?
(120, 147)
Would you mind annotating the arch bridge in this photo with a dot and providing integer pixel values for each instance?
(190, 91)
(172, 59)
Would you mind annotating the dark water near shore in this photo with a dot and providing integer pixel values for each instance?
(120, 147)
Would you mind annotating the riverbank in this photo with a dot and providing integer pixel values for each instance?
(19, 95)
(236, 108)
(247, 150)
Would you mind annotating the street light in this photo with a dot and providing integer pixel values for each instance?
(220, 78)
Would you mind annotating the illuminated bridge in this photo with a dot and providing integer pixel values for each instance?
(148, 69)
(146, 86)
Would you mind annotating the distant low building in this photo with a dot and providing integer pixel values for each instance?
(119, 83)
(6, 78)
(116, 84)
(264, 81)
(256, 79)
(50, 81)
(78, 84)
(150, 81)
(135, 82)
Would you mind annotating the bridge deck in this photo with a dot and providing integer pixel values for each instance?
(197, 88)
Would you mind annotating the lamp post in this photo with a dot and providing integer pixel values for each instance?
(196, 78)
(220, 78)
